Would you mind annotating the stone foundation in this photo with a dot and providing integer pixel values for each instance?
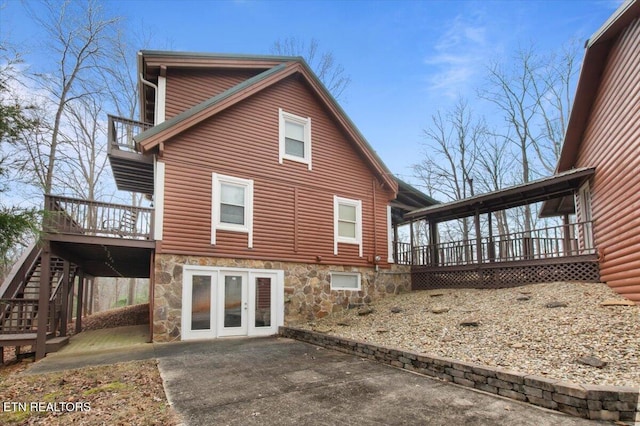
(307, 289)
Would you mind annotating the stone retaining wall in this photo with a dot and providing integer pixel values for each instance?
(589, 401)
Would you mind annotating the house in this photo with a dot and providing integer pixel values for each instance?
(269, 204)
(269, 207)
(604, 133)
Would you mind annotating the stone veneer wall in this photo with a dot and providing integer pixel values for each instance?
(307, 288)
(594, 402)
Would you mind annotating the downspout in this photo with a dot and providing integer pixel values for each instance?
(155, 97)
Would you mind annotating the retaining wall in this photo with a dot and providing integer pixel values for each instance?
(594, 402)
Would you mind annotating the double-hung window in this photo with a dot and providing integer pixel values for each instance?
(347, 216)
(295, 138)
(232, 208)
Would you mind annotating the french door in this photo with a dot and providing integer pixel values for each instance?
(221, 302)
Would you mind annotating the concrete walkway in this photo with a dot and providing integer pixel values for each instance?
(265, 381)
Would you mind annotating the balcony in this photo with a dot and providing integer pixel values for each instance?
(104, 239)
(132, 171)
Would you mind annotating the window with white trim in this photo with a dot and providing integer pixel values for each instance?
(295, 138)
(232, 206)
(347, 216)
(345, 281)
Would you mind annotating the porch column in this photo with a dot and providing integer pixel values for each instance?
(492, 249)
(395, 243)
(433, 242)
(43, 301)
(476, 221)
(566, 235)
(81, 281)
(411, 241)
(64, 309)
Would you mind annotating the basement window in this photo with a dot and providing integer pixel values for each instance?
(345, 281)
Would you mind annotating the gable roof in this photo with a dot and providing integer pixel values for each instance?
(595, 60)
(283, 68)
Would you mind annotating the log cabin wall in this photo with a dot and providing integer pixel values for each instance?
(293, 216)
(611, 143)
(189, 87)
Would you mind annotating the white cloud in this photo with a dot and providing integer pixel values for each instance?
(459, 55)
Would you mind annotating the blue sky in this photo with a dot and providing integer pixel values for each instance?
(406, 59)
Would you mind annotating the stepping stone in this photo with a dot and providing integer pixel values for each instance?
(617, 302)
(396, 310)
(523, 298)
(470, 323)
(365, 311)
(556, 305)
(592, 361)
(440, 310)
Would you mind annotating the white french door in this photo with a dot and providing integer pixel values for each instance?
(221, 302)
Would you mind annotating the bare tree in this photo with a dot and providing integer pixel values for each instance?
(451, 163)
(78, 34)
(330, 73)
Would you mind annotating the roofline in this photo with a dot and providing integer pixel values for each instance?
(292, 64)
(225, 56)
(402, 185)
(481, 199)
(593, 64)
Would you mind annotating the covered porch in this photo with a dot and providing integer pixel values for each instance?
(493, 259)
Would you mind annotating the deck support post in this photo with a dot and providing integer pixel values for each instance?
(85, 296)
(81, 281)
(64, 309)
(43, 301)
(91, 300)
(152, 280)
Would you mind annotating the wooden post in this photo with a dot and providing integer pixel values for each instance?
(433, 242)
(43, 301)
(64, 309)
(566, 235)
(492, 248)
(91, 300)
(81, 281)
(411, 241)
(72, 284)
(476, 220)
(152, 280)
(395, 243)
(85, 296)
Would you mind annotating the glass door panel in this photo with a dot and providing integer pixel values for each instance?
(233, 304)
(233, 301)
(262, 294)
(201, 302)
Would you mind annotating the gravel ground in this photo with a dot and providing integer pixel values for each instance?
(517, 329)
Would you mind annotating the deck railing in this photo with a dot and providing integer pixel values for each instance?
(121, 132)
(95, 218)
(557, 241)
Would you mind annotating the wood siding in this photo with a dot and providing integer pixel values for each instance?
(293, 206)
(189, 87)
(611, 142)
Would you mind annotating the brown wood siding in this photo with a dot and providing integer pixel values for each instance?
(189, 87)
(243, 142)
(611, 142)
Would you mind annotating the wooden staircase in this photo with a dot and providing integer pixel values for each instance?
(19, 302)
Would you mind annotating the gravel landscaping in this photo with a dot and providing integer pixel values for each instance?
(582, 333)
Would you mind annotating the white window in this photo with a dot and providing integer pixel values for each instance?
(345, 281)
(232, 206)
(347, 216)
(295, 138)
